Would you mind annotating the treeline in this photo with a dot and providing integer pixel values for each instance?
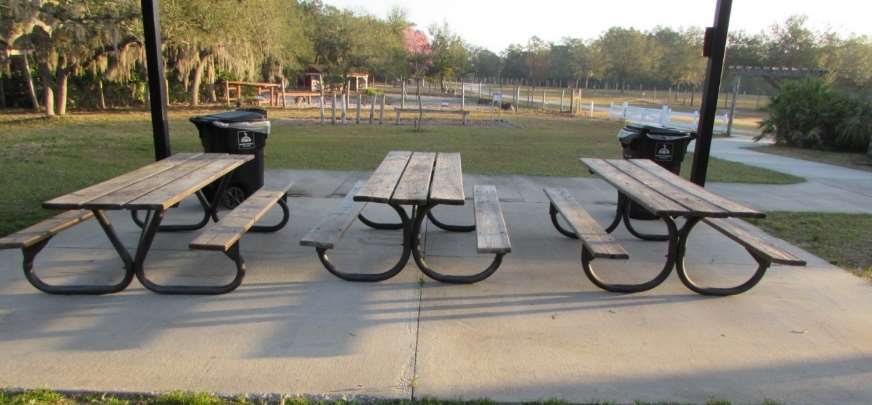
(57, 54)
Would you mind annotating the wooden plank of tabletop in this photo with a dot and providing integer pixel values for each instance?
(381, 184)
(735, 209)
(176, 191)
(77, 198)
(118, 198)
(414, 186)
(636, 191)
(447, 186)
(677, 194)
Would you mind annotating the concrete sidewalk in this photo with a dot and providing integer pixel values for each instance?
(535, 330)
(828, 188)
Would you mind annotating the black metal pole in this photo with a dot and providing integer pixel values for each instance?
(715, 48)
(156, 91)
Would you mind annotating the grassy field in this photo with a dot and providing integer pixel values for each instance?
(44, 158)
(859, 161)
(45, 397)
(841, 239)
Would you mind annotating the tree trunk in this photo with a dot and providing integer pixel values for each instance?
(195, 84)
(63, 78)
(2, 91)
(102, 95)
(48, 97)
(48, 100)
(28, 77)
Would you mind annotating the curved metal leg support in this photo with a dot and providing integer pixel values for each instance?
(618, 214)
(681, 268)
(552, 210)
(640, 235)
(145, 243)
(286, 216)
(31, 252)
(382, 226)
(448, 227)
(587, 258)
(418, 254)
(373, 277)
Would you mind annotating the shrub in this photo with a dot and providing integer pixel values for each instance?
(811, 114)
(370, 91)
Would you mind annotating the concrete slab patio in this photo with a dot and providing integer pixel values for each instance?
(535, 330)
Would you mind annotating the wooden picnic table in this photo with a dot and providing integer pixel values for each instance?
(669, 197)
(154, 189)
(422, 181)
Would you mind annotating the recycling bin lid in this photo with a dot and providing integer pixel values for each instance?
(230, 117)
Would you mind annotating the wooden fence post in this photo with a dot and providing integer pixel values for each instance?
(403, 91)
(344, 106)
(462, 95)
(543, 98)
(381, 111)
(372, 101)
(562, 95)
(322, 101)
(333, 107)
(359, 101)
(591, 109)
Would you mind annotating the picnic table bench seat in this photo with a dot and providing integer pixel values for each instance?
(593, 237)
(224, 236)
(34, 238)
(44, 230)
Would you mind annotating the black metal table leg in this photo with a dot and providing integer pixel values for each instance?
(671, 255)
(406, 226)
(145, 241)
(210, 210)
(622, 214)
(448, 227)
(382, 226)
(681, 268)
(552, 211)
(426, 268)
(31, 276)
(286, 216)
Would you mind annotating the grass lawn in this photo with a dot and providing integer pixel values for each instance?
(39, 397)
(859, 161)
(44, 158)
(841, 239)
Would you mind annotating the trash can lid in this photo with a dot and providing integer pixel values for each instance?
(660, 132)
(241, 115)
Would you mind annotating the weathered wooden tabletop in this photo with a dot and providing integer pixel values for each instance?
(415, 178)
(664, 193)
(158, 185)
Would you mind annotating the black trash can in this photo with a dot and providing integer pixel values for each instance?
(243, 131)
(665, 146)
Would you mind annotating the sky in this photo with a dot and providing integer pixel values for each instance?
(495, 24)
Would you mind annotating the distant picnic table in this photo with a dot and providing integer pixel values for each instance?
(669, 197)
(422, 181)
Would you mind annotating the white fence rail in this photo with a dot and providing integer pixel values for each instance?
(664, 116)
